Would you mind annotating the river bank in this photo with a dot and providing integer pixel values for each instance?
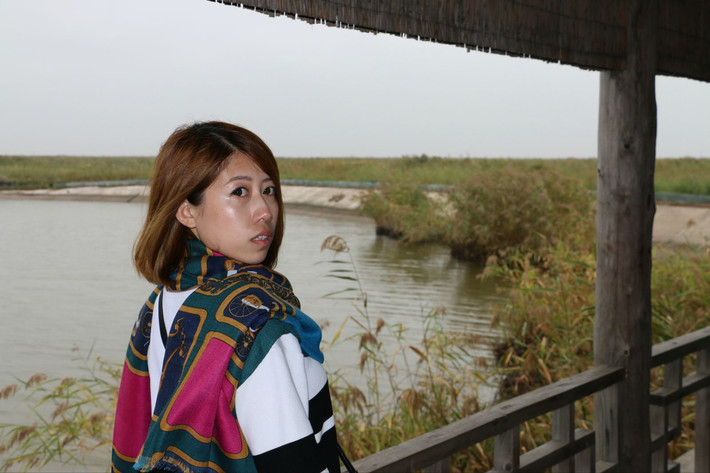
(675, 224)
(338, 198)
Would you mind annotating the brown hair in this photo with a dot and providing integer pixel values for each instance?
(188, 162)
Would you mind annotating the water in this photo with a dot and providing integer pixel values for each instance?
(66, 281)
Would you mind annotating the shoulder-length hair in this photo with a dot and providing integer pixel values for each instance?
(187, 164)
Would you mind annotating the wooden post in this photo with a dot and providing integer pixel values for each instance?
(563, 432)
(665, 420)
(625, 210)
(506, 450)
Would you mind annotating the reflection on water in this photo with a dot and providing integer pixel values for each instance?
(424, 277)
(67, 281)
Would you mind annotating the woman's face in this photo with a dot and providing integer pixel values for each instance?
(238, 212)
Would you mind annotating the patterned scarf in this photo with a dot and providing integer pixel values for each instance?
(194, 427)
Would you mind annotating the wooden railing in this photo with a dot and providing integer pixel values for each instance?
(569, 450)
(666, 402)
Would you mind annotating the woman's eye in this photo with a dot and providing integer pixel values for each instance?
(271, 190)
(240, 191)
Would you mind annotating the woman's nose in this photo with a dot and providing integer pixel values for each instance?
(262, 210)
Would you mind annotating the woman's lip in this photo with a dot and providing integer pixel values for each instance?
(263, 238)
(267, 234)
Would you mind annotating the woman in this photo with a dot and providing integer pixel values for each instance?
(223, 371)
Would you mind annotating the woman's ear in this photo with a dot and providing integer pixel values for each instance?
(185, 215)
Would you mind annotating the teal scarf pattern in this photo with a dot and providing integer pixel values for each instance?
(218, 337)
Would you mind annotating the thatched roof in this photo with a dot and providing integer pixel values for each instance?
(586, 33)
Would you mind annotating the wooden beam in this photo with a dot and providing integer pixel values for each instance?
(625, 210)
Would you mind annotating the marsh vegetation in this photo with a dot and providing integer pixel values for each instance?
(683, 175)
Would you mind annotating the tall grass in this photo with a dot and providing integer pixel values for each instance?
(19, 172)
(69, 418)
(548, 322)
(683, 175)
(416, 387)
(681, 290)
(549, 315)
(680, 176)
(681, 304)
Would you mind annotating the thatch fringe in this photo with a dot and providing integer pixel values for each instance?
(586, 33)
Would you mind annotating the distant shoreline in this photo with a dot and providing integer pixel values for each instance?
(681, 176)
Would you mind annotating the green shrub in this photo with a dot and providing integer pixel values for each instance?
(404, 210)
(517, 210)
(496, 213)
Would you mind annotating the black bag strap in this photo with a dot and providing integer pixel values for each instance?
(163, 330)
(341, 453)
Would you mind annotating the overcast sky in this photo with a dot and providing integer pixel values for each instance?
(107, 77)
